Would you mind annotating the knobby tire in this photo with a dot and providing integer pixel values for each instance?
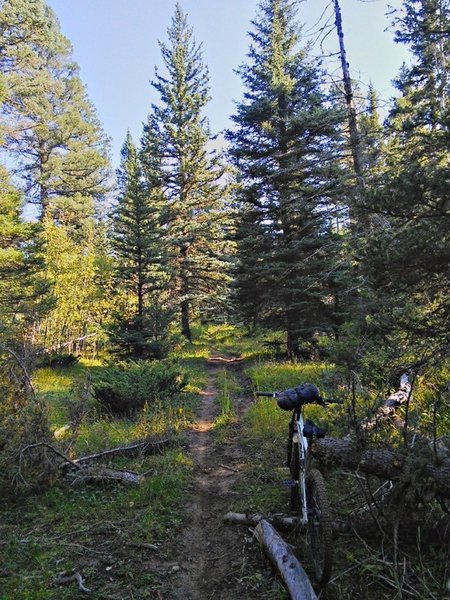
(319, 526)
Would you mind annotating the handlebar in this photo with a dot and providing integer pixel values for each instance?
(293, 398)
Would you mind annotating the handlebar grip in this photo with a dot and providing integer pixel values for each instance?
(267, 394)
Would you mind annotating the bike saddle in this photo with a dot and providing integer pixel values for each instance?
(310, 430)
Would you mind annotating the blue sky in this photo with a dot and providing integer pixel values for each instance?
(116, 45)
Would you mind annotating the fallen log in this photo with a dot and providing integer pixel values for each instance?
(387, 411)
(147, 446)
(383, 463)
(291, 571)
(104, 475)
(277, 520)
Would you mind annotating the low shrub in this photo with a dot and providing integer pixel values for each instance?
(26, 465)
(128, 386)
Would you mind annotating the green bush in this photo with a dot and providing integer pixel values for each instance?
(128, 386)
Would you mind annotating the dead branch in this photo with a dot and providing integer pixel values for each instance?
(22, 366)
(69, 343)
(387, 411)
(53, 449)
(291, 571)
(65, 577)
(147, 446)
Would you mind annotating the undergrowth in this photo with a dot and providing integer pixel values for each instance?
(98, 531)
(374, 569)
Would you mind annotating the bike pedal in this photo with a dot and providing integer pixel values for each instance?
(289, 483)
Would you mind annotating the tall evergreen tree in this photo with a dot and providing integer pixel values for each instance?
(408, 259)
(138, 251)
(51, 127)
(285, 148)
(190, 174)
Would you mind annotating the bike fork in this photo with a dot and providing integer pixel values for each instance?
(300, 441)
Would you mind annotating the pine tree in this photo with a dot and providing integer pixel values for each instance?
(195, 214)
(52, 131)
(407, 260)
(139, 257)
(285, 149)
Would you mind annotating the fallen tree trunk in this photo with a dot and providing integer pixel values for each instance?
(387, 411)
(145, 447)
(104, 475)
(291, 571)
(252, 520)
(382, 463)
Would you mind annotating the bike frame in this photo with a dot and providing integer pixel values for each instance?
(302, 445)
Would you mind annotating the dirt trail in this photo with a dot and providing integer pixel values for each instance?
(212, 557)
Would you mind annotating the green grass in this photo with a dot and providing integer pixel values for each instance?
(273, 376)
(98, 530)
(62, 387)
(90, 529)
(227, 387)
(95, 529)
(227, 340)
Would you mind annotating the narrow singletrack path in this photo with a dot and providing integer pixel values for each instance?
(212, 556)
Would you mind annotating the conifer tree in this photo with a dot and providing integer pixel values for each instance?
(407, 259)
(136, 242)
(51, 127)
(190, 175)
(285, 148)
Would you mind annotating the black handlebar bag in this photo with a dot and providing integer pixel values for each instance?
(306, 393)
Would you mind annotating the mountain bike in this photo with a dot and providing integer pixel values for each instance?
(308, 493)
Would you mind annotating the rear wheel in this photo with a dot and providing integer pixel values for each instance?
(319, 526)
(294, 467)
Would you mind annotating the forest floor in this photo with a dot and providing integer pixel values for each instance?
(215, 560)
(165, 539)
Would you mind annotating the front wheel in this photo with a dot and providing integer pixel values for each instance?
(319, 526)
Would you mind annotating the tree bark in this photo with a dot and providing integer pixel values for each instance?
(384, 463)
(362, 220)
(104, 475)
(387, 411)
(291, 571)
(184, 291)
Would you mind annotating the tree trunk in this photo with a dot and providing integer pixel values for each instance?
(148, 446)
(293, 349)
(360, 216)
(185, 321)
(184, 291)
(252, 519)
(384, 463)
